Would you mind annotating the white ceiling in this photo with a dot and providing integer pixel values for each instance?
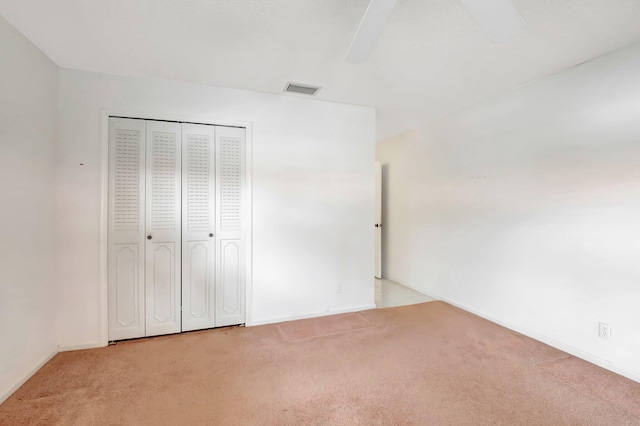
(431, 60)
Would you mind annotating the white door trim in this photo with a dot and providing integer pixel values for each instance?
(378, 225)
(104, 205)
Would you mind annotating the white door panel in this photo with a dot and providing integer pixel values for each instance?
(230, 202)
(378, 224)
(229, 282)
(163, 228)
(198, 227)
(126, 228)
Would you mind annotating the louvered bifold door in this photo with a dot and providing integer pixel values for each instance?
(198, 227)
(230, 208)
(163, 226)
(126, 241)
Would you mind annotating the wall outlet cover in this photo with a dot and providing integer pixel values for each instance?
(604, 331)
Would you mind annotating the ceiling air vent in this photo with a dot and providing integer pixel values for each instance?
(304, 89)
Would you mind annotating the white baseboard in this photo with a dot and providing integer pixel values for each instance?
(27, 376)
(633, 375)
(66, 348)
(312, 315)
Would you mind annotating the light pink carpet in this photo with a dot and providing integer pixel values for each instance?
(427, 364)
(323, 326)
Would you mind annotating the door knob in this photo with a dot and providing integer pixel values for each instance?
(210, 234)
(149, 237)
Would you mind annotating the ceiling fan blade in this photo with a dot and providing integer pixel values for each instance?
(369, 31)
(499, 19)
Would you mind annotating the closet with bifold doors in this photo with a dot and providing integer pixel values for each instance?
(176, 231)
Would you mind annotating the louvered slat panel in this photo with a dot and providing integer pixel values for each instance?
(126, 191)
(230, 183)
(163, 163)
(199, 182)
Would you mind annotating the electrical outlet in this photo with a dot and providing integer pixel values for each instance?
(605, 331)
(339, 288)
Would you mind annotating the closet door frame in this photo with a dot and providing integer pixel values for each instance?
(247, 213)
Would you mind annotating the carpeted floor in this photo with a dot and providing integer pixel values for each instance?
(426, 364)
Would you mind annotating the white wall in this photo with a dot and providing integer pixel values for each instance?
(526, 209)
(28, 116)
(313, 194)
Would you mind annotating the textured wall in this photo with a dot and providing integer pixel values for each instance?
(313, 194)
(526, 209)
(28, 117)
